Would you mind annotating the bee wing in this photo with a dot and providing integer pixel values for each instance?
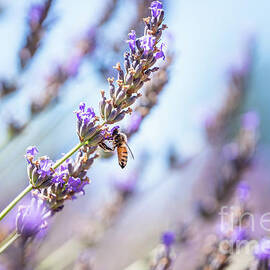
(129, 150)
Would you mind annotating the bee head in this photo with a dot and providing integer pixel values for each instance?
(115, 130)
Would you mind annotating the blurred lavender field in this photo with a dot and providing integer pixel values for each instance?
(196, 196)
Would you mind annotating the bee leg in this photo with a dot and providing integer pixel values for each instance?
(105, 147)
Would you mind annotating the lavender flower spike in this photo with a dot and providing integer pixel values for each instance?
(32, 219)
(132, 40)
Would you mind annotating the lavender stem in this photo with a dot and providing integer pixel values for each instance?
(12, 238)
(30, 187)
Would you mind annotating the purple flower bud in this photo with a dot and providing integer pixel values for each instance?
(45, 166)
(108, 110)
(76, 185)
(86, 119)
(119, 117)
(156, 8)
(168, 238)
(31, 150)
(113, 114)
(262, 250)
(132, 40)
(160, 54)
(120, 97)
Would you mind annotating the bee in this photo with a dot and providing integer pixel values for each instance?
(119, 141)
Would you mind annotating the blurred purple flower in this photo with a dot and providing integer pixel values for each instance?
(238, 234)
(35, 13)
(128, 185)
(2, 267)
(168, 238)
(156, 7)
(73, 66)
(230, 151)
(135, 122)
(250, 120)
(243, 191)
(262, 250)
(32, 219)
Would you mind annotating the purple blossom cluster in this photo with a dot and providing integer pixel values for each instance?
(40, 171)
(62, 183)
(55, 182)
(32, 219)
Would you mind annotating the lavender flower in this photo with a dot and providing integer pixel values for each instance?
(40, 171)
(156, 8)
(135, 122)
(148, 42)
(168, 238)
(86, 120)
(243, 191)
(160, 53)
(262, 250)
(31, 151)
(128, 185)
(45, 167)
(138, 62)
(32, 219)
(36, 17)
(55, 186)
(72, 67)
(35, 13)
(250, 120)
(132, 40)
(239, 234)
(164, 258)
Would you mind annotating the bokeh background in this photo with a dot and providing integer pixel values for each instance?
(206, 39)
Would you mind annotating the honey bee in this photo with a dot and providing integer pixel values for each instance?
(119, 141)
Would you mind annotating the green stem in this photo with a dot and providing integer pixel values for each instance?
(5, 244)
(68, 155)
(29, 188)
(15, 201)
